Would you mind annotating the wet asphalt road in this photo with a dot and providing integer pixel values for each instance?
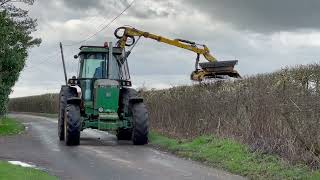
(99, 156)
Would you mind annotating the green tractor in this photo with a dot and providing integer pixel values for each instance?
(101, 98)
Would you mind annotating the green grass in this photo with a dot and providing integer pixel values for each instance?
(233, 157)
(9, 171)
(10, 126)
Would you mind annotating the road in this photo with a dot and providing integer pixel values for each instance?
(99, 156)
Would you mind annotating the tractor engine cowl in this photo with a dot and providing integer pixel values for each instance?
(106, 98)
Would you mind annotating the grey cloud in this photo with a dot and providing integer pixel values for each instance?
(263, 15)
(149, 13)
(84, 4)
(51, 11)
(144, 11)
(138, 9)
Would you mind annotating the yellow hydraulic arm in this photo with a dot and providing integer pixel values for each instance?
(211, 69)
(185, 44)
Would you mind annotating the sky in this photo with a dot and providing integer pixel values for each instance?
(263, 35)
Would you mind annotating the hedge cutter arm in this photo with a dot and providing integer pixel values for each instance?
(211, 69)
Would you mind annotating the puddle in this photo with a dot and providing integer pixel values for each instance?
(19, 163)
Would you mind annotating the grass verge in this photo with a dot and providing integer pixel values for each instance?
(233, 157)
(10, 126)
(9, 171)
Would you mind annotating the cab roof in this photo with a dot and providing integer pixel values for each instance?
(98, 49)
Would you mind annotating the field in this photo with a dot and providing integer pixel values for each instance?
(276, 113)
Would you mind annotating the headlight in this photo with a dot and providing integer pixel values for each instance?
(100, 109)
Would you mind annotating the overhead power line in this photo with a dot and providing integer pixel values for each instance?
(104, 27)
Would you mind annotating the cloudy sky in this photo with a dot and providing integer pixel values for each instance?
(263, 35)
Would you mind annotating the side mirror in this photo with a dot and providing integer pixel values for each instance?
(75, 56)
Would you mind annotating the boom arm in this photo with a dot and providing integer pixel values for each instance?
(211, 69)
(184, 44)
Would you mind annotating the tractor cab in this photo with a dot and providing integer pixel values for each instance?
(102, 74)
(101, 98)
(97, 63)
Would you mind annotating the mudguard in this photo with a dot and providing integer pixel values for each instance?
(74, 100)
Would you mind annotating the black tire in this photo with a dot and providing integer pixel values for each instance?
(63, 96)
(62, 106)
(65, 93)
(72, 125)
(126, 94)
(140, 124)
(124, 134)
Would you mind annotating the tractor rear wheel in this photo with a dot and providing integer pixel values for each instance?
(65, 93)
(125, 95)
(72, 125)
(140, 124)
(124, 134)
(124, 106)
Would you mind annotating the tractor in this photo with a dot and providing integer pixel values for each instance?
(101, 98)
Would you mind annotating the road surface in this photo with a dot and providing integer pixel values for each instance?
(99, 156)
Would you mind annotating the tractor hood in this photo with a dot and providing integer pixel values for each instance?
(106, 96)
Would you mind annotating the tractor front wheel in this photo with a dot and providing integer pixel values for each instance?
(62, 106)
(72, 125)
(140, 124)
(65, 93)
